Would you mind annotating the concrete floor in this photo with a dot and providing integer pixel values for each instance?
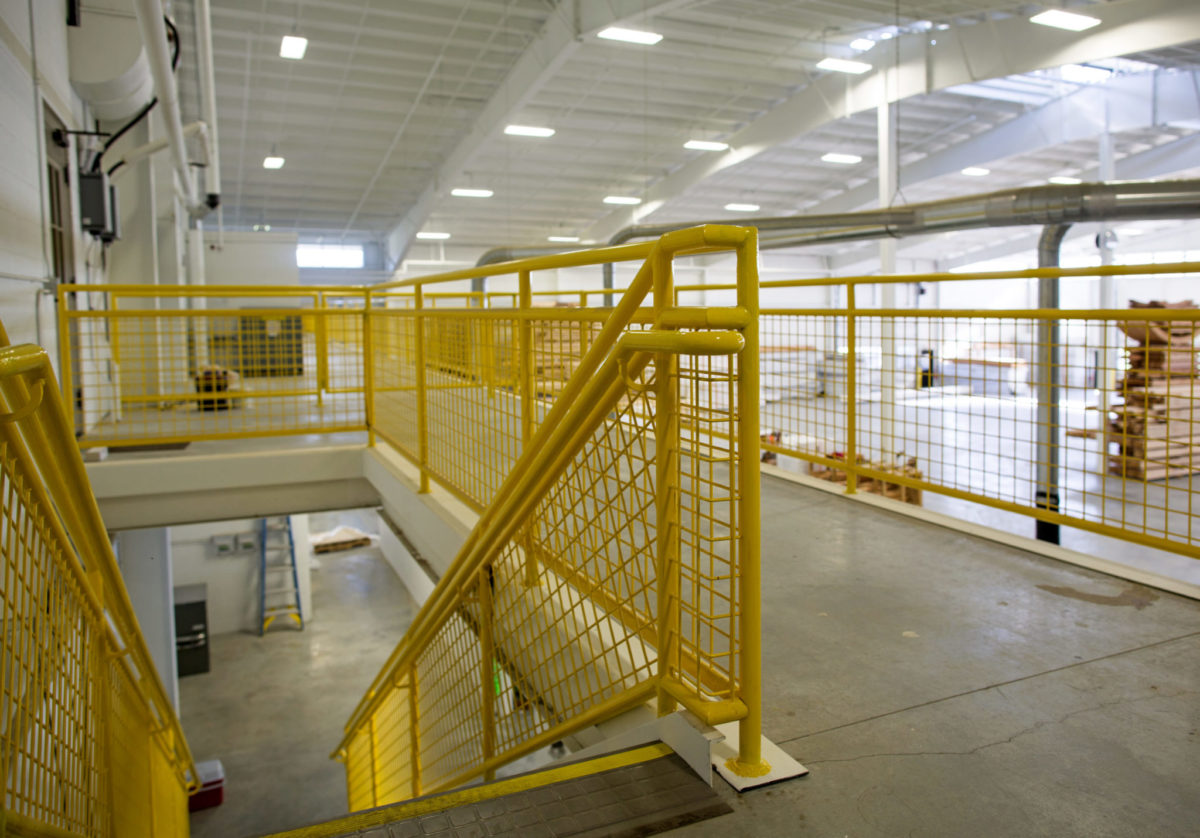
(272, 708)
(934, 683)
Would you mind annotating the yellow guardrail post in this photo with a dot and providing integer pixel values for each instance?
(486, 683)
(525, 370)
(666, 488)
(414, 732)
(422, 393)
(749, 762)
(368, 368)
(64, 359)
(851, 391)
(322, 338)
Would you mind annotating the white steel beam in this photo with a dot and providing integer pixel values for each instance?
(559, 38)
(961, 55)
(1132, 102)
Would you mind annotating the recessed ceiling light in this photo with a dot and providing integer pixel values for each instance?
(705, 145)
(976, 171)
(1063, 180)
(844, 159)
(273, 162)
(567, 239)
(626, 200)
(742, 207)
(431, 235)
(1070, 21)
(472, 193)
(629, 36)
(528, 131)
(842, 65)
(862, 44)
(293, 46)
(942, 27)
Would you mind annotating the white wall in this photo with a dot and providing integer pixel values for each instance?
(232, 579)
(28, 314)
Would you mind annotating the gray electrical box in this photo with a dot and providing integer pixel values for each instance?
(98, 206)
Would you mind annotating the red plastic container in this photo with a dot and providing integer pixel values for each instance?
(212, 786)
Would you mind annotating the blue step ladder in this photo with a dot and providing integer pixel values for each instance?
(278, 581)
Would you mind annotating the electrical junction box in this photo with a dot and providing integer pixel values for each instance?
(98, 206)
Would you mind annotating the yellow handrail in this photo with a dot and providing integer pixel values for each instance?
(510, 565)
(115, 722)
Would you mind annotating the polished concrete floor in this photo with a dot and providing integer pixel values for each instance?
(940, 685)
(272, 708)
(934, 683)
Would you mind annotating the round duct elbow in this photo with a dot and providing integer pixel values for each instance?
(109, 68)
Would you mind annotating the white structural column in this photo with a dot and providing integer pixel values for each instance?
(888, 174)
(145, 559)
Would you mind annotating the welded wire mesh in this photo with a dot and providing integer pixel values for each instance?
(960, 403)
(80, 748)
(140, 376)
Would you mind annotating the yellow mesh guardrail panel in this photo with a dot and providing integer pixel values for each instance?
(954, 402)
(607, 567)
(144, 375)
(89, 744)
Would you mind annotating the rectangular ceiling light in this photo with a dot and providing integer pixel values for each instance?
(625, 200)
(427, 235)
(976, 171)
(629, 36)
(1070, 21)
(843, 65)
(742, 207)
(705, 145)
(528, 131)
(273, 162)
(293, 46)
(862, 44)
(472, 193)
(1063, 180)
(844, 159)
(567, 239)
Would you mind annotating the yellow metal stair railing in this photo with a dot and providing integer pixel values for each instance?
(617, 562)
(89, 742)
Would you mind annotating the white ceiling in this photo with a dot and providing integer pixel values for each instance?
(389, 89)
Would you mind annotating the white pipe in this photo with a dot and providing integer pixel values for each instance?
(154, 146)
(154, 38)
(208, 93)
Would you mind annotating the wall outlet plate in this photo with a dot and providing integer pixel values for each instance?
(223, 544)
(247, 542)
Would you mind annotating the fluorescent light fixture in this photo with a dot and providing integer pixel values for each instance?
(1130, 231)
(976, 171)
(567, 239)
(862, 44)
(705, 145)
(742, 207)
(1063, 180)
(842, 65)
(293, 46)
(472, 193)
(942, 27)
(1070, 21)
(273, 162)
(528, 131)
(625, 200)
(629, 36)
(843, 159)
(430, 235)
